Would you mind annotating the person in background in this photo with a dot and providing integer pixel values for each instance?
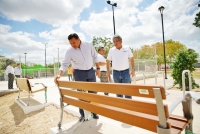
(18, 71)
(120, 57)
(82, 55)
(10, 72)
(72, 74)
(69, 72)
(102, 64)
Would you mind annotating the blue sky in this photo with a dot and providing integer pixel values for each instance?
(25, 25)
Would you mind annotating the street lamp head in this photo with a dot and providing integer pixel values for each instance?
(45, 43)
(25, 53)
(108, 1)
(115, 4)
(161, 9)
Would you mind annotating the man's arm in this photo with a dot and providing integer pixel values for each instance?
(108, 67)
(132, 65)
(66, 62)
(102, 63)
(97, 69)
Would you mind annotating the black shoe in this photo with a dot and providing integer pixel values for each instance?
(82, 118)
(106, 93)
(95, 116)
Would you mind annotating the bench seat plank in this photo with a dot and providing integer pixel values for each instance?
(175, 131)
(138, 119)
(180, 118)
(116, 88)
(129, 104)
(177, 124)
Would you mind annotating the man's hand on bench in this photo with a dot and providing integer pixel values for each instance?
(56, 79)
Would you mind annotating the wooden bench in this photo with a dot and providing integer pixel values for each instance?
(24, 84)
(152, 115)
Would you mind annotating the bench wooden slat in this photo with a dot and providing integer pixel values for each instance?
(148, 122)
(177, 124)
(175, 131)
(180, 118)
(116, 88)
(129, 104)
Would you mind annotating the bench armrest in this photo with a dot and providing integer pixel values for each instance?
(195, 96)
(174, 105)
(42, 84)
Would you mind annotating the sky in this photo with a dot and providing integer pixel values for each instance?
(27, 25)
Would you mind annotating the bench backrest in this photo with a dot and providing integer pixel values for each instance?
(134, 111)
(23, 83)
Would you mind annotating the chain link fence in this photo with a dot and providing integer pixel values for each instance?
(146, 66)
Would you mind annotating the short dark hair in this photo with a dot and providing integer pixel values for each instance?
(99, 49)
(11, 62)
(73, 35)
(18, 64)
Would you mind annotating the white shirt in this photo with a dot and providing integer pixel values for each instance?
(120, 58)
(9, 69)
(81, 58)
(102, 59)
(18, 71)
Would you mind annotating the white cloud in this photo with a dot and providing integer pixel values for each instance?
(53, 12)
(136, 27)
(144, 27)
(4, 29)
(62, 14)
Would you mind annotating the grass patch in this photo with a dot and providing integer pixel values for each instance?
(195, 74)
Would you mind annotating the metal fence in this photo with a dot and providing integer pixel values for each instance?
(146, 66)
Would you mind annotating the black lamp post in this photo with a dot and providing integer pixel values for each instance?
(45, 43)
(25, 64)
(161, 12)
(114, 4)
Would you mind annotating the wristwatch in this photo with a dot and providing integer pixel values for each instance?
(98, 68)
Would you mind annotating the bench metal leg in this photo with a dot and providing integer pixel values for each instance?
(187, 111)
(45, 94)
(161, 130)
(19, 94)
(160, 108)
(29, 96)
(61, 114)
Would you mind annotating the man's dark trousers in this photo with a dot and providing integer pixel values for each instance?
(10, 80)
(85, 75)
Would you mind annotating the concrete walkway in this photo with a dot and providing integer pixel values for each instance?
(105, 125)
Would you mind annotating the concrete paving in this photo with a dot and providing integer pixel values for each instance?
(106, 125)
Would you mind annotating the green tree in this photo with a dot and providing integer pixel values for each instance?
(172, 47)
(197, 20)
(185, 60)
(102, 40)
(145, 52)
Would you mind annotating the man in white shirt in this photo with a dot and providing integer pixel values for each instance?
(120, 57)
(102, 63)
(18, 71)
(10, 72)
(82, 55)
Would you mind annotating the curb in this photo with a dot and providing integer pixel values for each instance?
(2, 93)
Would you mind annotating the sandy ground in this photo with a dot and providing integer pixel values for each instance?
(14, 121)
